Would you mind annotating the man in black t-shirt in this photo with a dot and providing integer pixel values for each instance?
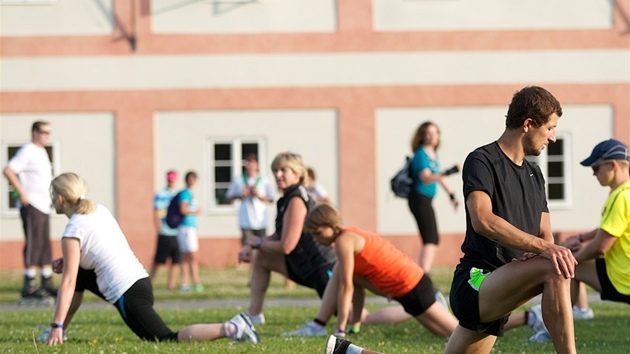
(507, 219)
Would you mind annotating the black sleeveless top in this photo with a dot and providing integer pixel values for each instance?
(308, 256)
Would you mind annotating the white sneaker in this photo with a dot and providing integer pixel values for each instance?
(583, 314)
(308, 329)
(245, 331)
(44, 335)
(541, 336)
(336, 345)
(257, 320)
(535, 320)
(439, 297)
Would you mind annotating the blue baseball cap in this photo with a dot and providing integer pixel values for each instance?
(606, 150)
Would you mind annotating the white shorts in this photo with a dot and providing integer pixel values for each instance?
(187, 239)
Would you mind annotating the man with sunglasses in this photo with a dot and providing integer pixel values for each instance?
(30, 173)
(610, 274)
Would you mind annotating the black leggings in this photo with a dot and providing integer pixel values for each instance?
(135, 307)
(422, 210)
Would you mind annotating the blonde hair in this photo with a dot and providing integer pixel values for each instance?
(72, 188)
(292, 161)
(323, 215)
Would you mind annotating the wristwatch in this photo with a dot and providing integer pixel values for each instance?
(56, 325)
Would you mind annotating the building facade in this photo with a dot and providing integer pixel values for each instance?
(133, 88)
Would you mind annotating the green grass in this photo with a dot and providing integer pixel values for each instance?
(102, 331)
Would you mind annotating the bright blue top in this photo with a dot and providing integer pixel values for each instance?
(421, 161)
(161, 202)
(190, 220)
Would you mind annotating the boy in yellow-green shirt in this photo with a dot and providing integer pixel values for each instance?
(609, 275)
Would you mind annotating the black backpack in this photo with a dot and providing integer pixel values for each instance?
(174, 214)
(402, 181)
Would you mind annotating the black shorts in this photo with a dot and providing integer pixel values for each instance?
(248, 232)
(422, 210)
(135, 307)
(420, 298)
(464, 300)
(167, 248)
(37, 248)
(316, 281)
(608, 289)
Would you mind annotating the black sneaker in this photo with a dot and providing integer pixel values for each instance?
(47, 284)
(336, 345)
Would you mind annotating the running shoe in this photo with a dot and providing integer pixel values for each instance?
(583, 314)
(439, 297)
(535, 320)
(258, 319)
(541, 336)
(336, 345)
(245, 331)
(308, 329)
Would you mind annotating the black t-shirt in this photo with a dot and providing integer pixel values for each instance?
(308, 256)
(517, 194)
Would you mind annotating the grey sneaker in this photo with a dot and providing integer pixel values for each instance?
(583, 314)
(541, 336)
(44, 335)
(439, 297)
(535, 320)
(336, 345)
(257, 320)
(308, 329)
(245, 331)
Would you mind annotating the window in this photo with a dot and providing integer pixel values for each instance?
(11, 197)
(227, 159)
(554, 163)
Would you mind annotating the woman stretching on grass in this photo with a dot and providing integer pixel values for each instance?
(97, 257)
(367, 261)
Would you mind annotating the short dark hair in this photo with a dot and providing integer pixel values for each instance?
(531, 102)
(190, 174)
(37, 125)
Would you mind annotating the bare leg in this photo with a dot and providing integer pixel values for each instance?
(263, 264)
(194, 267)
(438, 320)
(427, 255)
(387, 315)
(186, 267)
(172, 269)
(465, 341)
(201, 332)
(578, 292)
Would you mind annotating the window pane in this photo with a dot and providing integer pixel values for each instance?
(556, 191)
(222, 174)
(556, 148)
(249, 148)
(555, 169)
(222, 152)
(219, 195)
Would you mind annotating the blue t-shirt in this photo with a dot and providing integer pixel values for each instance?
(190, 220)
(421, 161)
(161, 202)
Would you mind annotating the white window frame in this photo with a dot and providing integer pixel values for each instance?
(567, 180)
(237, 165)
(4, 157)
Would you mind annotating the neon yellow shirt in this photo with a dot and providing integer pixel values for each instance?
(616, 222)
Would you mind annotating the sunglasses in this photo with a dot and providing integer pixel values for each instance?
(45, 132)
(596, 167)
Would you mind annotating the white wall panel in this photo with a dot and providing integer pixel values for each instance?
(462, 130)
(64, 17)
(227, 16)
(181, 143)
(445, 15)
(303, 70)
(86, 146)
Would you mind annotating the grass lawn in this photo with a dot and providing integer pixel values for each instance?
(102, 331)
